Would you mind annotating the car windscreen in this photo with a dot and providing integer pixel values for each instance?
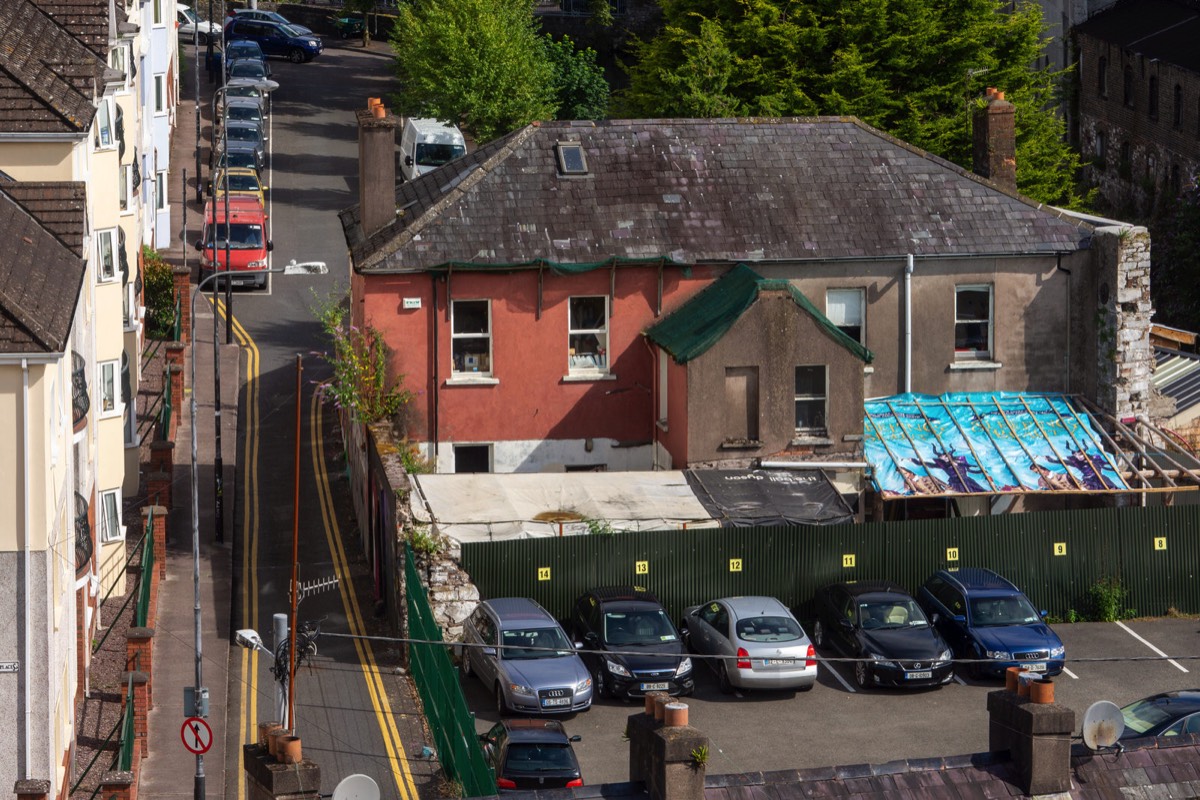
(247, 68)
(239, 183)
(189, 14)
(521, 643)
(638, 627)
(251, 113)
(1012, 609)
(241, 158)
(526, 758)
(243, 48)
(240, 134)
(899, 613)
(242, 236)
(434, 155)
(290, 31)
(768, 629)
(244, 91)
(1145, 714)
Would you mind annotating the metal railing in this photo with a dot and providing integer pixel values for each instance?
(81, 402)
(177, 319)
(125, 753)
(451, 722)
(141, 609)
(83, 535)
(164, 419)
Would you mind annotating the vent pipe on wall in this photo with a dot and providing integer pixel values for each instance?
(908, 326)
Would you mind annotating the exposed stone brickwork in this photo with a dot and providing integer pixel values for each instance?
(452, 595)
(1137, 158)
(1124, 357)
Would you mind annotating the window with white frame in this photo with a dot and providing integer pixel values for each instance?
(106, 254)
(110, 388)
(973, 321)
(160, 94)
(845, 308)
(104, 124)
(587, 334)
(110, 516)
(158, 12)
(160, 190)
(811, 399)
(471, 337)
(118, 59)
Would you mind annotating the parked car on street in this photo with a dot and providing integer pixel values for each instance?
(751, 643)
(240, 154)
(269, 16)
(189, 26)
(250, 69)
(242, 182)
(249, 134)
(275, 39)
(882, 624)
(245, 109)
(519, 652)
(1165, 714)
(243, 240)
(531, 754)
(629, 643)
(984, 617)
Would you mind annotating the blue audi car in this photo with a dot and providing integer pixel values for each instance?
(986, 618)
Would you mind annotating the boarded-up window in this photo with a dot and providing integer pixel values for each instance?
(844, 307)
(741, 403)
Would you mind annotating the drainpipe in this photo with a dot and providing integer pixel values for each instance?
(908, 271)
(814, 465)
(26, 666)
(433, 394)
(1067, 358)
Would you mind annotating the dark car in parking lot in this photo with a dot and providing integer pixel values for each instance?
(1165, 714)
(531, 754)
(880, 623)
(275, 39)
(269, 16)
(630, 644)
(985, 618)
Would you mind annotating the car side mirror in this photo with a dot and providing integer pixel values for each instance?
(591, 638)
(199, 245)
(847, 624)
(408, 162)
(1043, 613)
(489, 651)
(578, 645)
(575, 738)
(960, 619)
(270, 246)
(935, 619)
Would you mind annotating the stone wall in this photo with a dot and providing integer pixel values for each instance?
(1124, 357)
(451, 593)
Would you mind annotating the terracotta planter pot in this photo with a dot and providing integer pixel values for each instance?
(289, 750)
(1042, 691)
(1011, 678)
(675, 715)
(273, 739)
(265, 729)
(659, 703)
(649, 699)
(1023, 684)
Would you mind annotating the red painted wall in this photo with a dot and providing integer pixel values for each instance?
(531, 401)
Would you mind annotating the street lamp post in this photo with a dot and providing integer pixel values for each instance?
(290, 269)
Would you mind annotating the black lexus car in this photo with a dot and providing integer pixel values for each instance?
(531, 754)
(630, 644)
(881, 624)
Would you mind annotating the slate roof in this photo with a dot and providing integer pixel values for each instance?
(87, 20)
(1148, 768)
(1177, 375)
(698, 324)
(60, 207)
(1164, 29)
(48, 78)
(40, 281)
(717, 190)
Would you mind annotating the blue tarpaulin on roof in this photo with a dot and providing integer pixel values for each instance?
(985, 443)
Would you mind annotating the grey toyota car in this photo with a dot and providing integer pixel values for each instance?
(518, 650)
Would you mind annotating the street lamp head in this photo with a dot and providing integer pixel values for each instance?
(306, 268)
(262, 84)
(249, 639)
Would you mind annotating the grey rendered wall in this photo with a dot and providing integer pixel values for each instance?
(35, 664)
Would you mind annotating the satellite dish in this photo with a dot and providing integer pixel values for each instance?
(358, 787)
(1103, 725)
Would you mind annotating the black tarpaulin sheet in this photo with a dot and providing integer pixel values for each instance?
(743, 498)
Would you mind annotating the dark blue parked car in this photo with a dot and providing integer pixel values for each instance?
(983, 616)
(275, 39)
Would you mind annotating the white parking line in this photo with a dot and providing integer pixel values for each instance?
(1070, 674)
(958, 679)
(1170, 661)
(841, 680)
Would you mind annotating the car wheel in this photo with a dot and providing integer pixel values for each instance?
(807, 687)
(860, 674)
(202, 39)
(464, 666)
(501, 706)
(600, 683)
(260, 282)
(296, 55)
(723, 682)
(819, 635)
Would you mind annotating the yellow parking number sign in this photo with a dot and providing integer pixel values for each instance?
(543, 573)
(1160, 543)
(735, 565)
(1060, 548)
(641, 567)
(848, 560)
(952, 554)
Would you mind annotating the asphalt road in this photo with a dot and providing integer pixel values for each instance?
(354, 713)
(838, 724)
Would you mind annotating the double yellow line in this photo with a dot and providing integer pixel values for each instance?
(248, 721)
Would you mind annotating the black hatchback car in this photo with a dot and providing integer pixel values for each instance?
(531, 754)
(630, 644)
(882, 624)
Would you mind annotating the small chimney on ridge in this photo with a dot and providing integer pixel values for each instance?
(376, 166)
(996, 140)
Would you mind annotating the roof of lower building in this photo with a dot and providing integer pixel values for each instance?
(60, 207)
(40, 280)
(1164, 29)
(700, 323)
(702, 190)
(87, 20)
(48, 78)
(1177, 375)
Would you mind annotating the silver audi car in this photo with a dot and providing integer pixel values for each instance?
(517, 649)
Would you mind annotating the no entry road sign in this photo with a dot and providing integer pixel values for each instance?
(197, 736)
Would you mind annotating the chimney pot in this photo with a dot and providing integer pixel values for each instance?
(376, 168)
(996, 141)
(379, 111)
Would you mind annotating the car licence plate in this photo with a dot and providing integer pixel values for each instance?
(1036, 667)
(556, 701)
(778, 662)
(916, 676)
(654, 687)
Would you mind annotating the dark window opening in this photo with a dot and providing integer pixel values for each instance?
(1127, 90)
(741, 404)
(472, 458)
(1177, 112)
(1153, 97)
(810, 397)
(571, 159)
(1102, 78)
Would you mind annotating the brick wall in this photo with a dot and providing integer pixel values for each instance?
(1163, 156)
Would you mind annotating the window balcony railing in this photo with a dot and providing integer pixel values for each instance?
(83, 535)
(81, 402)
(120, 134)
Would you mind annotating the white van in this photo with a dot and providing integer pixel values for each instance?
(189, 25)
(426, 144)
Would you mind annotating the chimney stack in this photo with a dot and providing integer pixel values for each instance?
(376, 166)
(996, 141)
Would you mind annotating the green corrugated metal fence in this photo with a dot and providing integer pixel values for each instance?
(450, 721)
(1054, 557)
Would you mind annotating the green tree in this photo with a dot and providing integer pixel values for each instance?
(477, 63)
(909, 67)
(1175, 262)
(581, 91)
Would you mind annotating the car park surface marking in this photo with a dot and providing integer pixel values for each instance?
(1132, 633)
(1070, 674)
(958, 679)
(838, 675)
